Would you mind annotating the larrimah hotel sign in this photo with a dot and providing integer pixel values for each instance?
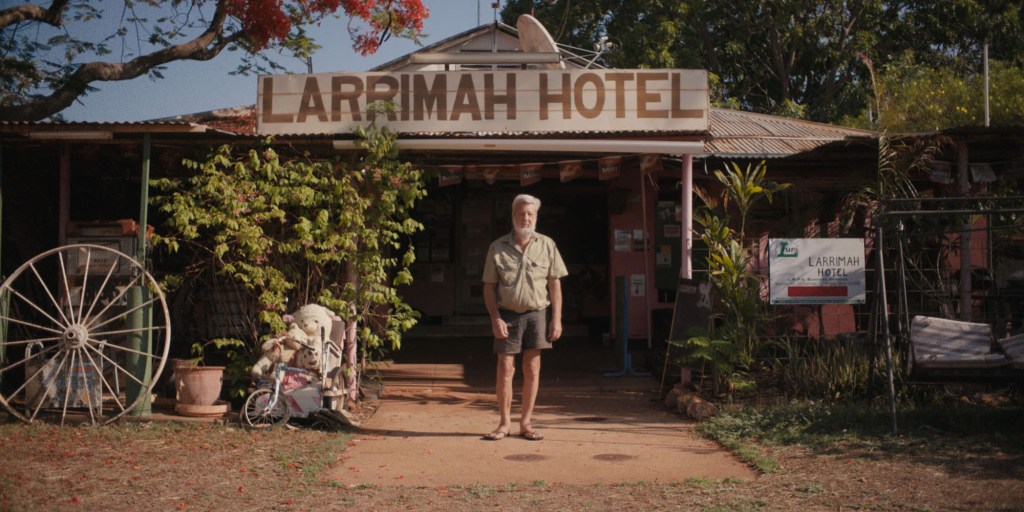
(585, 100)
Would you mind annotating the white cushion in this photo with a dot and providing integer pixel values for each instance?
(1014, 348)
(942, 343)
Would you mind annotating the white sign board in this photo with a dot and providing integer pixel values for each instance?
(816, 271)
(529, 100)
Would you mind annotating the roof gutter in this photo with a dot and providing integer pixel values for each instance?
(550, 145)
(485, 58)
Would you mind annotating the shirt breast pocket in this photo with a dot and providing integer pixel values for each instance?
(537, 271)
(507, 269)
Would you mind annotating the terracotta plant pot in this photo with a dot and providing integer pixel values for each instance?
(198, 385)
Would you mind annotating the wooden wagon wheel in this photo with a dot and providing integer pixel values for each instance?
(76, 342)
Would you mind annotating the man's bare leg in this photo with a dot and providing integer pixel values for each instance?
(531, 383)
(503, 390)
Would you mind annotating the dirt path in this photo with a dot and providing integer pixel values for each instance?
(425, 437)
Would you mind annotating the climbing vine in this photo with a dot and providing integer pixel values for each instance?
(290, 231)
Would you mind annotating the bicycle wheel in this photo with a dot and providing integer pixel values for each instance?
(85, 336)
(258, 414)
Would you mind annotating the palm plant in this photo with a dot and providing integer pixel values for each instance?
(728, 348)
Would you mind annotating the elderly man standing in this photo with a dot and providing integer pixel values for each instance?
(521, 280)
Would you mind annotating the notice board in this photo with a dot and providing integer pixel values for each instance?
(692, 307)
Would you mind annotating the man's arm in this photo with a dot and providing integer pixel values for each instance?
(555, 294)
(498, 326)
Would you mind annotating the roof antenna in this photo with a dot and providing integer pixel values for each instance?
(494, 31)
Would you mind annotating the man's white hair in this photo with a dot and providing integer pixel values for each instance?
(525, 199)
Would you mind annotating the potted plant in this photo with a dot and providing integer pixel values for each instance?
(198, 386)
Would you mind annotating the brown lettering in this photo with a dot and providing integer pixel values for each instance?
(581, 82)
(465, 99)
(547, 97)
(338, 95)
(404, 91)
(311, 102)
(388, 93)
(431, 100)
(644, 97)
(268, 104)
(678, 112)
(619, 79)
(491, 96)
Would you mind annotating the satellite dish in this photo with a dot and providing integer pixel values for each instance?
(534, 38)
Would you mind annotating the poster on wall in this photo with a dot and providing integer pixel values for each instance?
(623, 240)
(663, 258)
(816, 270)
(637, 285)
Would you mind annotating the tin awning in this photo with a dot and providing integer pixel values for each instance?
(671, 147)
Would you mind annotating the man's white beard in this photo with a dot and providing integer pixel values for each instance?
(524, 232)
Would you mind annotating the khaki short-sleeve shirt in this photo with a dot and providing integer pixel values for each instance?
(522, 277)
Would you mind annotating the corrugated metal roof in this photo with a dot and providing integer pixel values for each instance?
(239, 120)
(739, 123)
(732, 133)
(570, 55)
(633, 134)
(446, 43)
(735, 133)
(112, 126)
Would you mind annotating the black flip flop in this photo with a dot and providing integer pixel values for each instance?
(531, 435)
(497, 435)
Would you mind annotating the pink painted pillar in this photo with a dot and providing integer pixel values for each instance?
(686, 249)
(686, 205)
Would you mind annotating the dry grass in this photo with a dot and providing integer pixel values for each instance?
(188, 466)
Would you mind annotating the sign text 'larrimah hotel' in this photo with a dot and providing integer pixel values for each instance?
(492, 101)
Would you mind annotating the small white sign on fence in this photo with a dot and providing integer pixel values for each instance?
(816, 271)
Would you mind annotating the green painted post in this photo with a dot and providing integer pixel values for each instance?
(140, 366)
(140, 321)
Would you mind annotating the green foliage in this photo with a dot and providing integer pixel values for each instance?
(738, 431)
(741, 189)
(934, 431)
(783, 57)
(226, 344)
(897, 162)
(917, 97)
(295, 231)
(825, 369)
(739, 312)
(925, 255)
(716, 350)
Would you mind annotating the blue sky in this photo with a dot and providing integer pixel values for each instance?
(189, 87)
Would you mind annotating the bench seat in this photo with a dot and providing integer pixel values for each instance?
(938, 343)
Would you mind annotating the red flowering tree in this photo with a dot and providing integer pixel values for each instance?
(35, 85)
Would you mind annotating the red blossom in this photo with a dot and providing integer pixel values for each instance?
(262, 20)
(266, 21)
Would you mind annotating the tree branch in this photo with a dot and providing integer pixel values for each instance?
(204, 47)
(51, 16)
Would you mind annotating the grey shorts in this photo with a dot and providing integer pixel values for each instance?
(525, 331)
